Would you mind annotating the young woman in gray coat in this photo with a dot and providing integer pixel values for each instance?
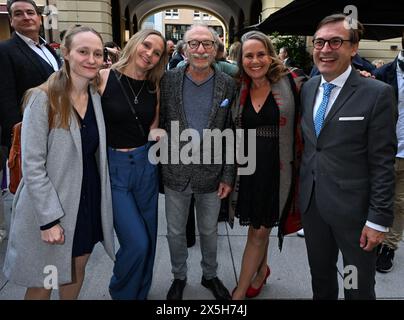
(62, 207)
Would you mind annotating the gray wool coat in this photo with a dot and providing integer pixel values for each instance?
(50, 190)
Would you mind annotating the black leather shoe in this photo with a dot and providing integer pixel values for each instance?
(218, 289)
(176, 289)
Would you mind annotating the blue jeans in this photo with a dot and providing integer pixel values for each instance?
(134, 198)
(207, 207)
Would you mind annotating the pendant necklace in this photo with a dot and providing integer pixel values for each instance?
(136, 101)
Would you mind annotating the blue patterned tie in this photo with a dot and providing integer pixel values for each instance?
(319, 118)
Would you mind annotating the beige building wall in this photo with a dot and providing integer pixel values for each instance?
(186, 17)
(94, 13)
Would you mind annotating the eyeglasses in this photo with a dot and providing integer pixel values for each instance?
(334, 43)
(207, 44)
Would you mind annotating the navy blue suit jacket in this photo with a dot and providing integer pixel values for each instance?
(21, 69)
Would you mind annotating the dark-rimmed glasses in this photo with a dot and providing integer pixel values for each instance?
(334, 43)
(207, 44)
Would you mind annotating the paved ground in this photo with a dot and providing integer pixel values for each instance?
(289, 277)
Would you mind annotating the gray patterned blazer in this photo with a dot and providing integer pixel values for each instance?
(204, 178)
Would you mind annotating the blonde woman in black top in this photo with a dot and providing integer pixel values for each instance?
(130, 102)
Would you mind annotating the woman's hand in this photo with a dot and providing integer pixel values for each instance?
(54, 235)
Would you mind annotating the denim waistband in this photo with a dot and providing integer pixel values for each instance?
(139, 152)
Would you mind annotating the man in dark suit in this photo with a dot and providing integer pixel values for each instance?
(286, 59)
(393, 74)
(347, 173)
(26, 61)
(197, 97)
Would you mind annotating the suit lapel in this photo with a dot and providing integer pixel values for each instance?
(347, 90)
(180, 102)
(309, 101)
(30, 54)
(217, 97)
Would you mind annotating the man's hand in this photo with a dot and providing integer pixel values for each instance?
(370, 238)
(54, 235)
(224, 190)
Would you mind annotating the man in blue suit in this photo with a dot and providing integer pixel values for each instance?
(26, 61)
(347, 169)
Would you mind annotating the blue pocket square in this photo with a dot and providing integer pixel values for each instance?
(224, 103)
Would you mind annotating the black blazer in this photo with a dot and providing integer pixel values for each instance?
(388, 74)
(21, 69)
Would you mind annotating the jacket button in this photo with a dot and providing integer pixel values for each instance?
(130, 156)
(318, 149)
(132, 162)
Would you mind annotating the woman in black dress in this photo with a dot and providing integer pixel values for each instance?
(266, 104)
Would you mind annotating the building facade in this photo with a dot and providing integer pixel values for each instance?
(118, 19)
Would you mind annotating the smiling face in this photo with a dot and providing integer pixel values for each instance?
(255, 59)
(333, 62)
(200, 58)
(25, 20)
(85, 56)
(148, 53)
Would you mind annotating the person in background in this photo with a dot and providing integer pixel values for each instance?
(62, 207)
(378, 63)
(285, 58)
(178, 55)
(130, 101)
(393, 74)
(170, 50)
(3, 232)
(234, 52)
(113, 51)
(347, 172)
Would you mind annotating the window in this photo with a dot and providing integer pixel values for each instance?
(172, 14)
(197, 14)
(176, 31)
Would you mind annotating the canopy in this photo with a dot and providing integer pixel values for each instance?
(382, 19)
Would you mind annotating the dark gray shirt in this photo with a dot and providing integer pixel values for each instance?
(198, 99)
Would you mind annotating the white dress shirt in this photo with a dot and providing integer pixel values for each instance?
(41, 50)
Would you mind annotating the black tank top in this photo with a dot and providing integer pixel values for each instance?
(121, 125)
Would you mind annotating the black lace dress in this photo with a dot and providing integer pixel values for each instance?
(258, 198)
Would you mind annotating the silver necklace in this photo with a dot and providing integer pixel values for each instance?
(136, 101)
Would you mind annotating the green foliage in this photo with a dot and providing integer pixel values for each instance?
(296, 47)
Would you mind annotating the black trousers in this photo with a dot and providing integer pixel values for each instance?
(323, 243)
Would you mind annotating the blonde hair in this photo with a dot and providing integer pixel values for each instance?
(276, 70)
(58, 86)
(154, 75)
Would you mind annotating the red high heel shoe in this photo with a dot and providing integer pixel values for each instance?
(253, 292)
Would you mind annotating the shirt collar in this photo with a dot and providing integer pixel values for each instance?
(401, 58)
(341, 79)
(29, 41)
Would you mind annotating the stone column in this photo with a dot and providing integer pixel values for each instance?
(270, 6)
(93, 13)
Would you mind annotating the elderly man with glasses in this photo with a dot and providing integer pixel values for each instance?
(197, 97)
(347, 173)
